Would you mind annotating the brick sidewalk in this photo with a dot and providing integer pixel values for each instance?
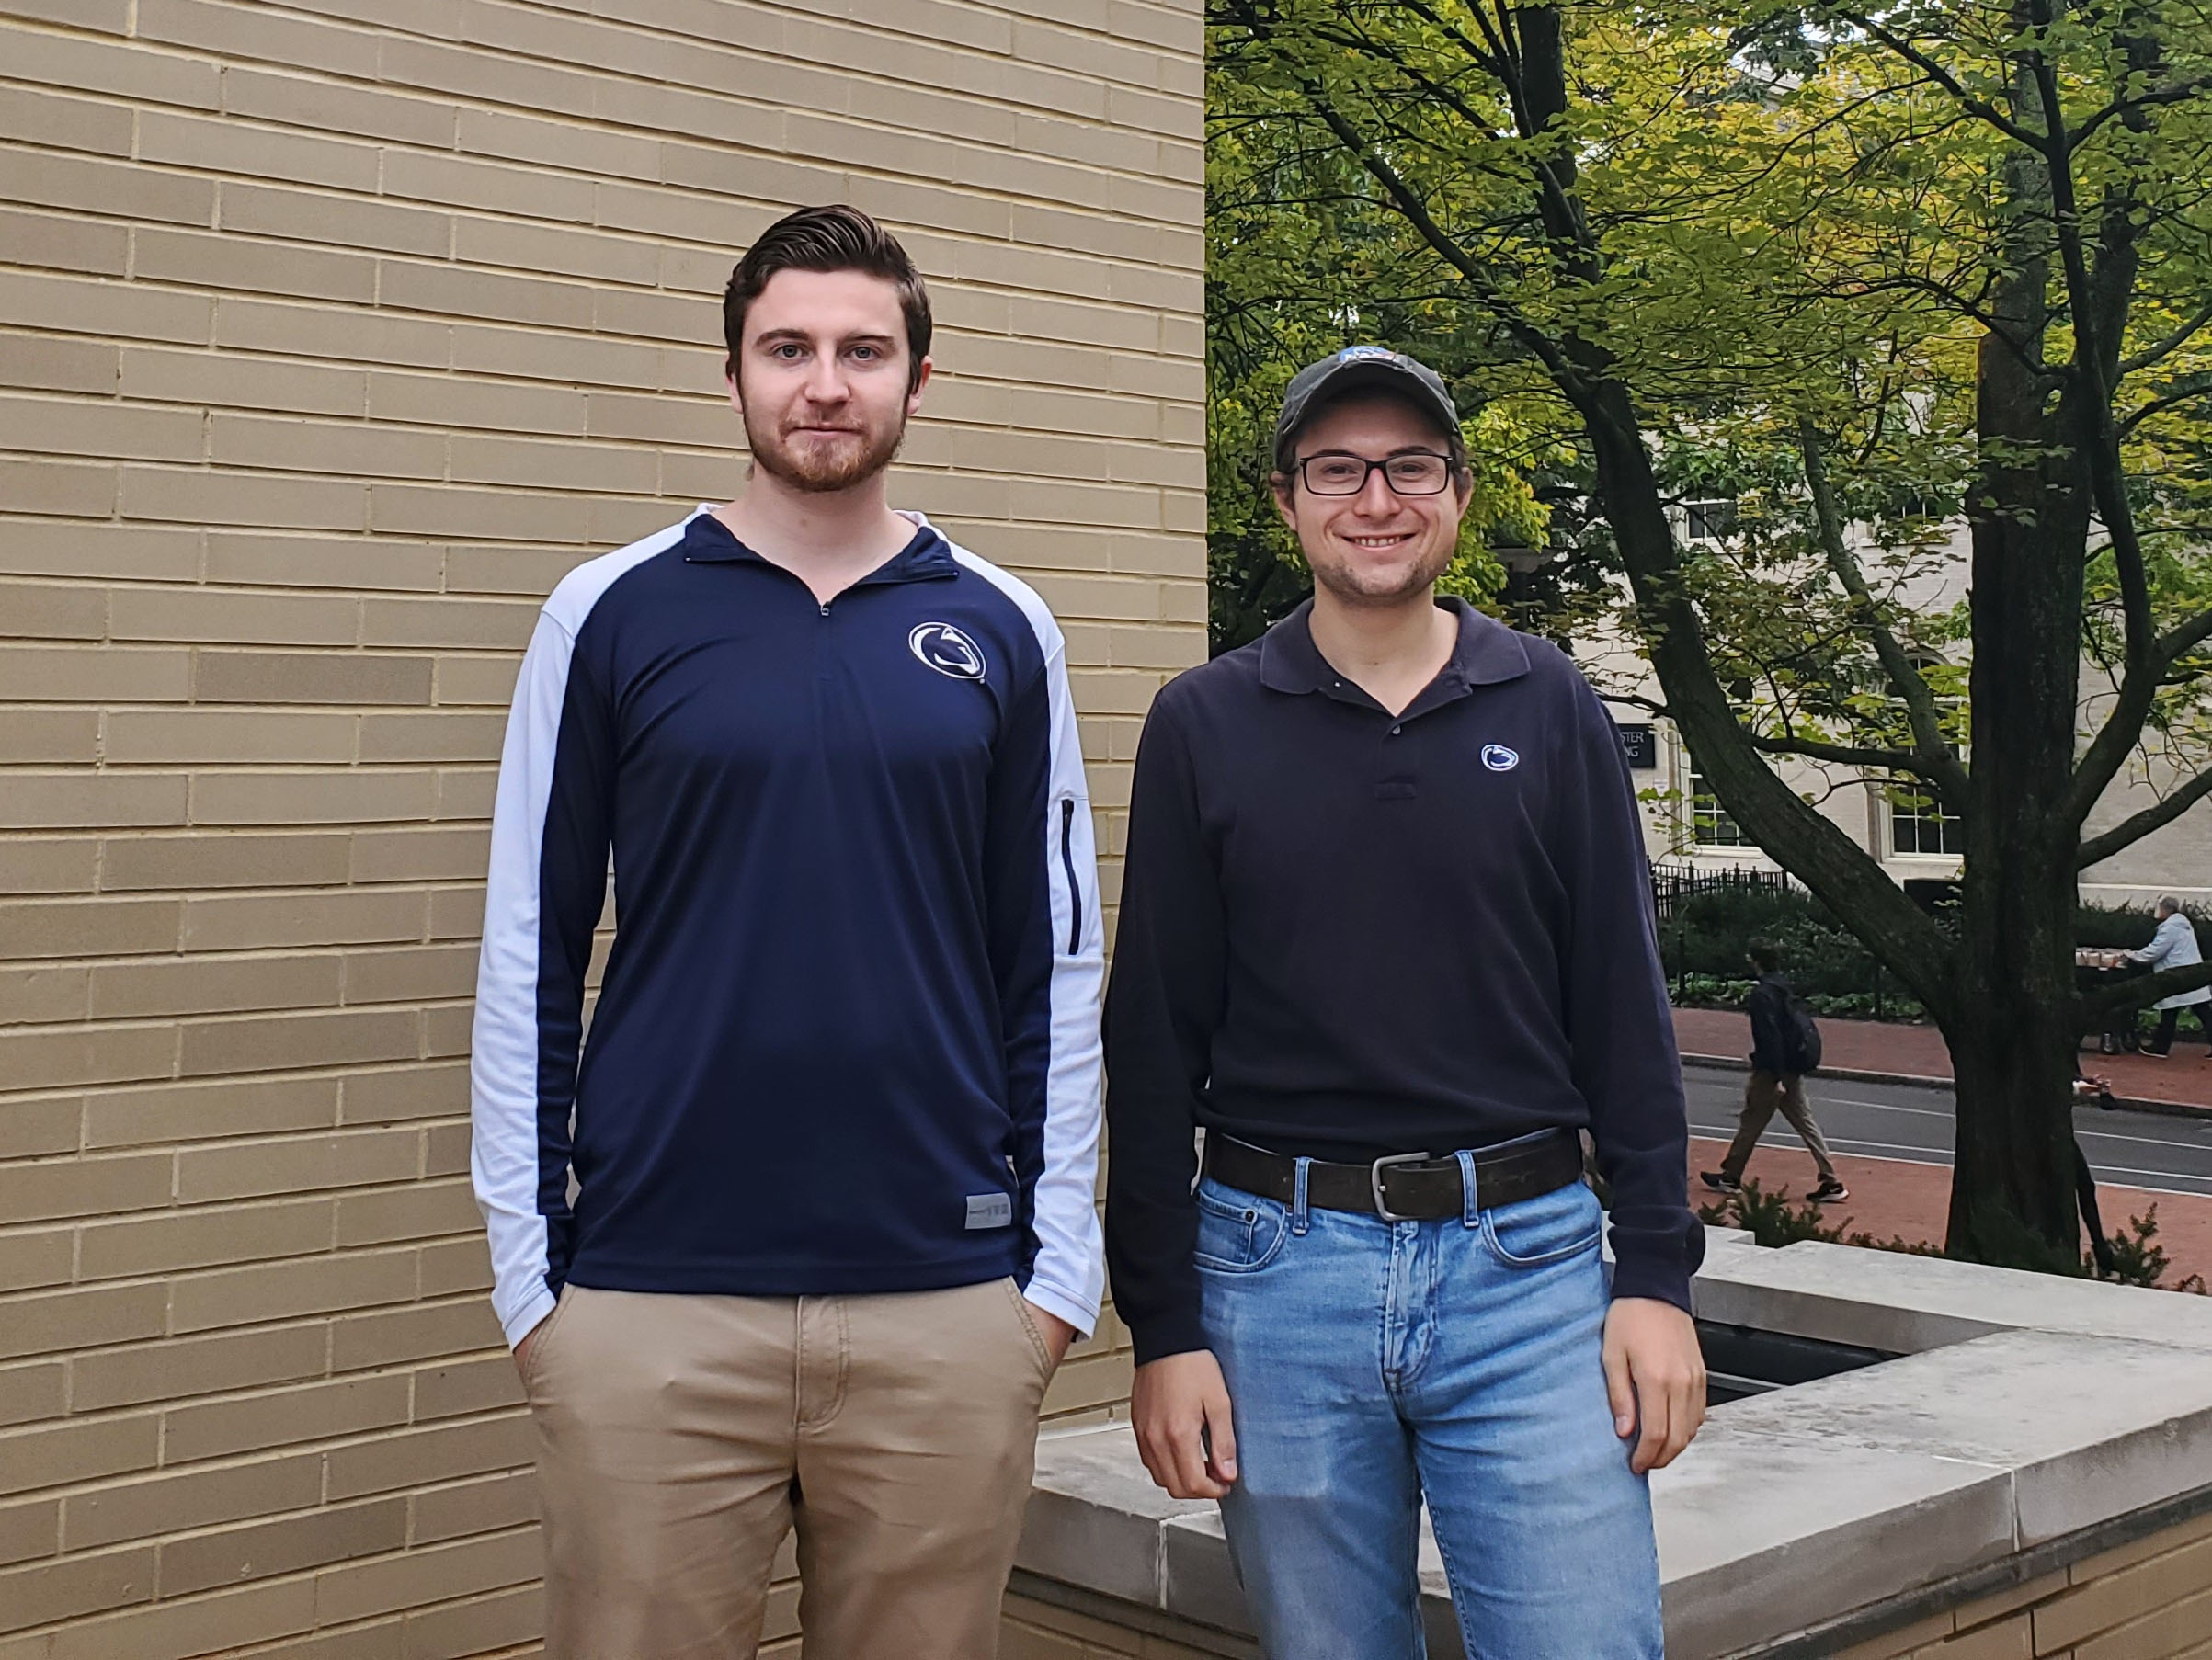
(1895, 1197)
(1917, 1051)
(1898, 1196)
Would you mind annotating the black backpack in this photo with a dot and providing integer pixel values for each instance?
(1800, 1037)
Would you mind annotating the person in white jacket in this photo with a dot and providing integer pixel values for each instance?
(2174, 946)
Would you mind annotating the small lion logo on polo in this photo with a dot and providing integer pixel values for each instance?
(947, 650)
(1499, 759)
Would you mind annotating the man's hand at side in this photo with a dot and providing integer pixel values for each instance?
(1175, 1399)
(1655, 1377)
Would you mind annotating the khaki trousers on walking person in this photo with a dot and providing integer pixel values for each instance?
(680, 1437)
(1763, 1095)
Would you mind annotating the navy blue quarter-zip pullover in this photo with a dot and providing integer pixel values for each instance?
(847, 1041)
(1346, 934)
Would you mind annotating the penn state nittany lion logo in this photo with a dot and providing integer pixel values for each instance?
(1499, 759)
(947, 650)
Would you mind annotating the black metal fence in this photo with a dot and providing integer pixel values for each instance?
(1701, 953)
(1674, 886)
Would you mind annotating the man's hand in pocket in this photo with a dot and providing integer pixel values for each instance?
(522, 1349)
(1057, 1334)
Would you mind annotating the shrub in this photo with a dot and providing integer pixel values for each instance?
(2138, 1261)
(1774, 1220)
(2121, 927)
(1702, 944)
(1705, 940)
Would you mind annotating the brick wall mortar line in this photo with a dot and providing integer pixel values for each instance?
(222, 58)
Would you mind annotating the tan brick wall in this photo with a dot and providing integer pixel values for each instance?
(335, 332)
(1038, 1631)
(2149, 1600)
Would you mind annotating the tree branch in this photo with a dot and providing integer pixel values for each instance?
(2188, 395)
(2161, 349)
(1843, 755)
(2180, 92)
(1417, 214)
(2100, 314)
(2181, 639)
(1944, 78)
(2100, 763)
(2132, 829)
(1938, 762)
(2091, 1007)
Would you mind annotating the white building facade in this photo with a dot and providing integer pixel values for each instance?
(1910, 836)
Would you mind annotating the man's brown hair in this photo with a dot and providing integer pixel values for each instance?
(832, 238)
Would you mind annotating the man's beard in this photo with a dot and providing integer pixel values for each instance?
(1346, 581)
(820, 468)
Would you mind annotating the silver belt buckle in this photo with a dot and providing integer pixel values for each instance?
(1374, 1183)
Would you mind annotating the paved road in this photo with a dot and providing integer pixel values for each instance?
(1913, 1122)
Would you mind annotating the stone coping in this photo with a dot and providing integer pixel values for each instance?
(2024, 1409)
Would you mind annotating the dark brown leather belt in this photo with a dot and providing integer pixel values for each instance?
(1411, 1186)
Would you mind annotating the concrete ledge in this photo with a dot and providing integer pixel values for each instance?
(1904, 1304)
(2027, 1411)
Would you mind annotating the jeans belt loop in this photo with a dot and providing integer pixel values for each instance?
(1471, 1199)
(1299, 1212)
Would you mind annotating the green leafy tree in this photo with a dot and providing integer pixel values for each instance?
(1862, 274)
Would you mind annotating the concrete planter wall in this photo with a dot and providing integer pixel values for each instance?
(2032, 1477)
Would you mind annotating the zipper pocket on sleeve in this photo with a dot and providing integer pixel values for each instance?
(1068, 864)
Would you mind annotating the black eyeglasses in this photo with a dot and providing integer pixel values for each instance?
(1408, 473)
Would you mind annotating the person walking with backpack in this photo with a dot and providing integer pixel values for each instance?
(1786, 1045)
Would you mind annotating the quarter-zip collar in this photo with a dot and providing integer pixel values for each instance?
(926, 557)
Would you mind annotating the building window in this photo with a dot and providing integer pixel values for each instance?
(1710, 826)
(1920, 823)
(1711, 520)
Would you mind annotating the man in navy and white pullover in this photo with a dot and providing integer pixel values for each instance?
(800, 1232)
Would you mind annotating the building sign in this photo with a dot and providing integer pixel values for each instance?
(1641, 747)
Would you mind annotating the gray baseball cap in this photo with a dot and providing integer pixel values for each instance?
(1357, 368)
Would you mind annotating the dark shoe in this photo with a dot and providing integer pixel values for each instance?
(1721, 1180)
(1831, 1188)
(2153, 1054)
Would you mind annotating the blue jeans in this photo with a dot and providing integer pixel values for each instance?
(1371, 1363)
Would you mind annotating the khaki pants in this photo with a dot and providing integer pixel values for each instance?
(680, 1437)
(1762, 1097)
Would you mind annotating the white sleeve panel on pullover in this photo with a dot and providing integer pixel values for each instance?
(1069, 1279)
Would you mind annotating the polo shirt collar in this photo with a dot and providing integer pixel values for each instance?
(1487, 654)
(707, 540)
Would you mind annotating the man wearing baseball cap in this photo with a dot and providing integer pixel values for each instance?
(1385, 935)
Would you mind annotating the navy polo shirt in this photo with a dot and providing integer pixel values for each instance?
(1346, 934)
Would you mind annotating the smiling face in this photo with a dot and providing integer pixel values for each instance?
(823, 379)
(1377, 548)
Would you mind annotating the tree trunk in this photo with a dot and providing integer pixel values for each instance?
(2011, 1023)
(2013, 1067)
